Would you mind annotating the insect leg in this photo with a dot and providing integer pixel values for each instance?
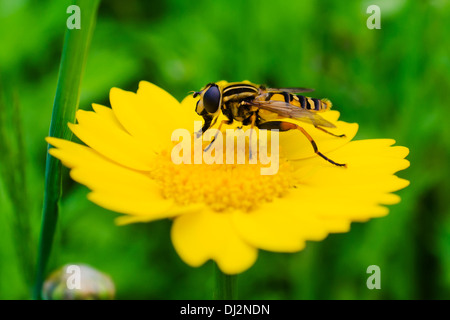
(253, 120)
(206, 125)
(285, 126)
(335, 135)
(316, 150)
(215, 136)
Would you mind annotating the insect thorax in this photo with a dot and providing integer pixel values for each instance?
(237, 111)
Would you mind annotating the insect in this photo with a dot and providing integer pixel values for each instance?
(257, 106)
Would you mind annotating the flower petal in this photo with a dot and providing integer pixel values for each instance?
(355, 192)
(107, 114)
(114, 187)
(103, 134)
(127, 107)
(295, 145)
(156, 97)
(348, 204)
(164, 110)
(205, 235)
(152, 114)
(327, 198)
(174, 211)
(285, 224)
(369, 162)
(278, 226)
(141, 208)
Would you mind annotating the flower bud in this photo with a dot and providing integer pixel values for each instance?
(78, 282)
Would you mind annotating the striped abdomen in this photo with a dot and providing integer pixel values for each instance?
(312, 104)
(303, 102)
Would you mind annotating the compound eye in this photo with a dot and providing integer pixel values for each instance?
(211, 99)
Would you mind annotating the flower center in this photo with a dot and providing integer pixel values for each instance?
(220, 186)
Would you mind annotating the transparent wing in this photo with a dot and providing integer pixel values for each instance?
(286, 110)
(290, 90)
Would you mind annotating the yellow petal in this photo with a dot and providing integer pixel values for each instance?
(163, 110)
(279, 227)
(188, 105)
(286, 223)
(152, 114)
(127, 108)
(139, 207)
(294, 144)
(336, 225)
(114, 187)
(369, 163)
(107, 114)
(350, 179)
(107, 138)
(326, 198)
(329, 202)
(205, 235)
(157, 98)
(174, 211)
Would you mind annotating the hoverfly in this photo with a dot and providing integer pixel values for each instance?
(255, 105)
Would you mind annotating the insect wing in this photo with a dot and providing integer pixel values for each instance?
(287, 110)
(290, 90)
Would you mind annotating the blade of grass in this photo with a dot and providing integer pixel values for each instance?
(13, 172)
(73, 61)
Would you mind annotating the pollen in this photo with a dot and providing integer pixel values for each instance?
(222, 187)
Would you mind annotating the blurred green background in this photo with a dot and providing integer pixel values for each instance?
(394, 82)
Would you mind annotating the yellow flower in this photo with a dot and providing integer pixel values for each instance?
(226, 212)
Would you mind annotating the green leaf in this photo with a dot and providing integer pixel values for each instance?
(73, 61)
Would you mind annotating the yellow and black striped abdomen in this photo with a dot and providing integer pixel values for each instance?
(312, 104)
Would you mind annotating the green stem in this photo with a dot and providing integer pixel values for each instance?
(73, 61)
(226, 286)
